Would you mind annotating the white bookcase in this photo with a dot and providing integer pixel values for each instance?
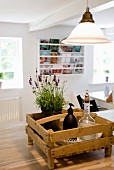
(60, 59)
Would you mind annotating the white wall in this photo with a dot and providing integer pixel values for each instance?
(77, 83)
(29, 54)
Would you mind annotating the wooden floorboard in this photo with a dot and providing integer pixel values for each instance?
(16, 154)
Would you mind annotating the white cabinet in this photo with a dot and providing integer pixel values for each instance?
(55, 58)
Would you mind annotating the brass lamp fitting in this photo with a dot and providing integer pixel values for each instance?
(87, 16)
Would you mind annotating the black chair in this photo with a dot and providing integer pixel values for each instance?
(93, 105)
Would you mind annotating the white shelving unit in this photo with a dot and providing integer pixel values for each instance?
(60, 59)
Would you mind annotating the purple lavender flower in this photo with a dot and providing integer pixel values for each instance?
(30, 78)
(46, 79)
(54, 78)
(30, 81)
(56, 83)
(36, 74)
(40, 78)
(36, 84)
(36, 71)
(50, 72)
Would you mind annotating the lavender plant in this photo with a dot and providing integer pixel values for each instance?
(48, 92)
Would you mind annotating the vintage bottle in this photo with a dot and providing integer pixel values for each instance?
(106, 89)
(70, 120)
(86, 120)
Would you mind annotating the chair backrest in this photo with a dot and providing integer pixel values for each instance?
(113, 95)
(70, 97)
(93, 105)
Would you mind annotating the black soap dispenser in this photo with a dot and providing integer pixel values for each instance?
(70, 120)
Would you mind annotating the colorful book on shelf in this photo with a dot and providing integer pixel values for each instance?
(70, 48)
(41, 60)
(76, 48)
(42, 46)
(57, 71)
(44, 60)
(44, 41)
(54, 48)
(55, 53)
(73, 60)
(65, 58)
(54, 60)
(78, 71)
(77, 54)
(45, 52)
(67, 71)
(66, 65)
(54, 41)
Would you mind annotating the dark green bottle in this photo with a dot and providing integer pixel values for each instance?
(70, 120)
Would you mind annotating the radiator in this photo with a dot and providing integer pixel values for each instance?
(10, 110)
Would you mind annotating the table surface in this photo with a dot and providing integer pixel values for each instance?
(98, 95)
(16, 154)
(107, 114)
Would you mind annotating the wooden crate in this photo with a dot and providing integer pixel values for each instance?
(55, 144)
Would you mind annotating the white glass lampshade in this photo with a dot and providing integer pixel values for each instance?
(86, 33)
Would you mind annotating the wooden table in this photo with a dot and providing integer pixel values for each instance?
(107, 114)
(100, 99)
(15, 154)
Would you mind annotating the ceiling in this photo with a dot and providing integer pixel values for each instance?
(41, 14)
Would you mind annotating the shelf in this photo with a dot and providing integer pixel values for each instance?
(62, 52)
(60, 56)
(61, 60)
(49, 64)
(63, 68)
(63, 74)
(54, 44)
(71, 74)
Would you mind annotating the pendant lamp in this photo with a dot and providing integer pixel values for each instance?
(87, 32)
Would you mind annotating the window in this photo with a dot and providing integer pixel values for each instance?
(103, 63)
(11, 62)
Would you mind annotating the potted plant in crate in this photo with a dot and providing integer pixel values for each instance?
(49, 93)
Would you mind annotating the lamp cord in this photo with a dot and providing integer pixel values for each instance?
(87, 3)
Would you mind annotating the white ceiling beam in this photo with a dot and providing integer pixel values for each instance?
(110, 31)
(68, 12)
(103, 7)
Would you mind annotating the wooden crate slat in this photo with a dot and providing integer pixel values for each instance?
(113, 140)
(50, 118)
(113, 126)
(77, 132)
(34, 116)
(38, 128)
(41, 144)
(55, 117)
(80, 147)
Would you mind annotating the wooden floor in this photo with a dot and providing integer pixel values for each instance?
(16, 154)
